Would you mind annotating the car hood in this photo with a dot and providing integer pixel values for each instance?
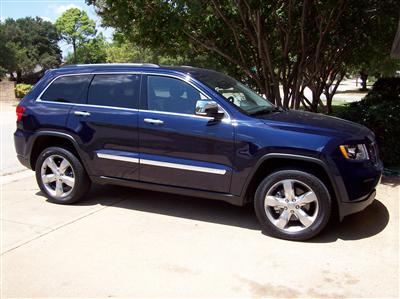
(301, 121)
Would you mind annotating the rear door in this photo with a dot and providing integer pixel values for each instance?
(177, 147)
(106, 126)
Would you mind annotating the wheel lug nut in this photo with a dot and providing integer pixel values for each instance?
(287, 200)
(293, 199)
(285, 208)
(291, 211)
(297, 207)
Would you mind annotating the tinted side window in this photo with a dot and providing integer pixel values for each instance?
(68, 89)
(171, 95)
(115, 90)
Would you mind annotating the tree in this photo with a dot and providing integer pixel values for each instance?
(122, 50)
(27, 45)
(278, 45)
(373, 53)
(92, 51)
(75, 27)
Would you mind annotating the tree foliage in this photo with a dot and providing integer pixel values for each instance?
(91, 51)
(284, 44)
(76, 28)
(123, 50)
(373, 52)
(28, 44)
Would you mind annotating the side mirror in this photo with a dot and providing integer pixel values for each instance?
(208, 109)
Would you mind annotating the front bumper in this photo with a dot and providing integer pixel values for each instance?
(347, 208)
(24, 161)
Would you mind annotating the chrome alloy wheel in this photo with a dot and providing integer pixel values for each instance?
(57, 176)
(291, 205)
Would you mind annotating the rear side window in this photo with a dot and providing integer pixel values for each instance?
(115, 90)
(68, 89)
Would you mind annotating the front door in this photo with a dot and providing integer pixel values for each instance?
(177, 147)
(106, 126)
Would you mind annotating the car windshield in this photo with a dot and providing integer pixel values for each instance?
(235, 92)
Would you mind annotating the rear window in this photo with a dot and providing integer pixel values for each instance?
(115, 90)
(68, 89)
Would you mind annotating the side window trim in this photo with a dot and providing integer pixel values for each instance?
(143, 92)
(39, 97)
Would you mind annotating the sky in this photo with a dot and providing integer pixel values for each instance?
(49, 10)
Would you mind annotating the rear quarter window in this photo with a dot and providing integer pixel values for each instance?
(68, 89)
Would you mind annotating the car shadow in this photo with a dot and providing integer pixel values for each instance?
(362, 225)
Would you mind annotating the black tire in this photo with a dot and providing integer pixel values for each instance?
(81, 180)
(322, 214)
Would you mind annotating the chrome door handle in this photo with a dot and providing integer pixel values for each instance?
(153, 121)
(81, 113)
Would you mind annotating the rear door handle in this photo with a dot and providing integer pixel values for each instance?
(153, 121)
(82, 113)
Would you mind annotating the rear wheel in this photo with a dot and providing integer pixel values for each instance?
(292, 204)
(61, 176)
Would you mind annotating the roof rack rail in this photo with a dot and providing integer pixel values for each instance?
(112, 64)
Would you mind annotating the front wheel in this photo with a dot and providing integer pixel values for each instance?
(61, 176)
(292, 205)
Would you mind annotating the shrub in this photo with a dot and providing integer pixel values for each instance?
(380, 112)
(22, 89)
(3, 72)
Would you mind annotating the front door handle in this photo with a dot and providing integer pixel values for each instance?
(82, 113)
(153, 121)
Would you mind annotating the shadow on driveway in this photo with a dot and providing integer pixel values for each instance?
(358, 226)
(362, 225)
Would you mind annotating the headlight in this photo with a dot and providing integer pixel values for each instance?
(354, 152)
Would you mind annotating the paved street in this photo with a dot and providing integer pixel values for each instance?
(125, 242)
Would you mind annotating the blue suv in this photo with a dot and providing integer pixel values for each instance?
(194, 132)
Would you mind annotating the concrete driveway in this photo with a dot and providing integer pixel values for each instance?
(124, 242)
(9, 163)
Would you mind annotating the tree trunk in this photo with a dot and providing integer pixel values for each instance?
(12, 77)
(74, 49)
(315, 99)
(329, 98)
(363, 77)
(286, 96)
(19, 75)
(330, 90)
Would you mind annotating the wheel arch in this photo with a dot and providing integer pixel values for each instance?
(273, 162)
(45, 139)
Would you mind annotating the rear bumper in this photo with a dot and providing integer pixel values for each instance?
(347, 208)
(21, 143)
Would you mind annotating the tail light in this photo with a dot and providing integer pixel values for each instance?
(20, 111)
